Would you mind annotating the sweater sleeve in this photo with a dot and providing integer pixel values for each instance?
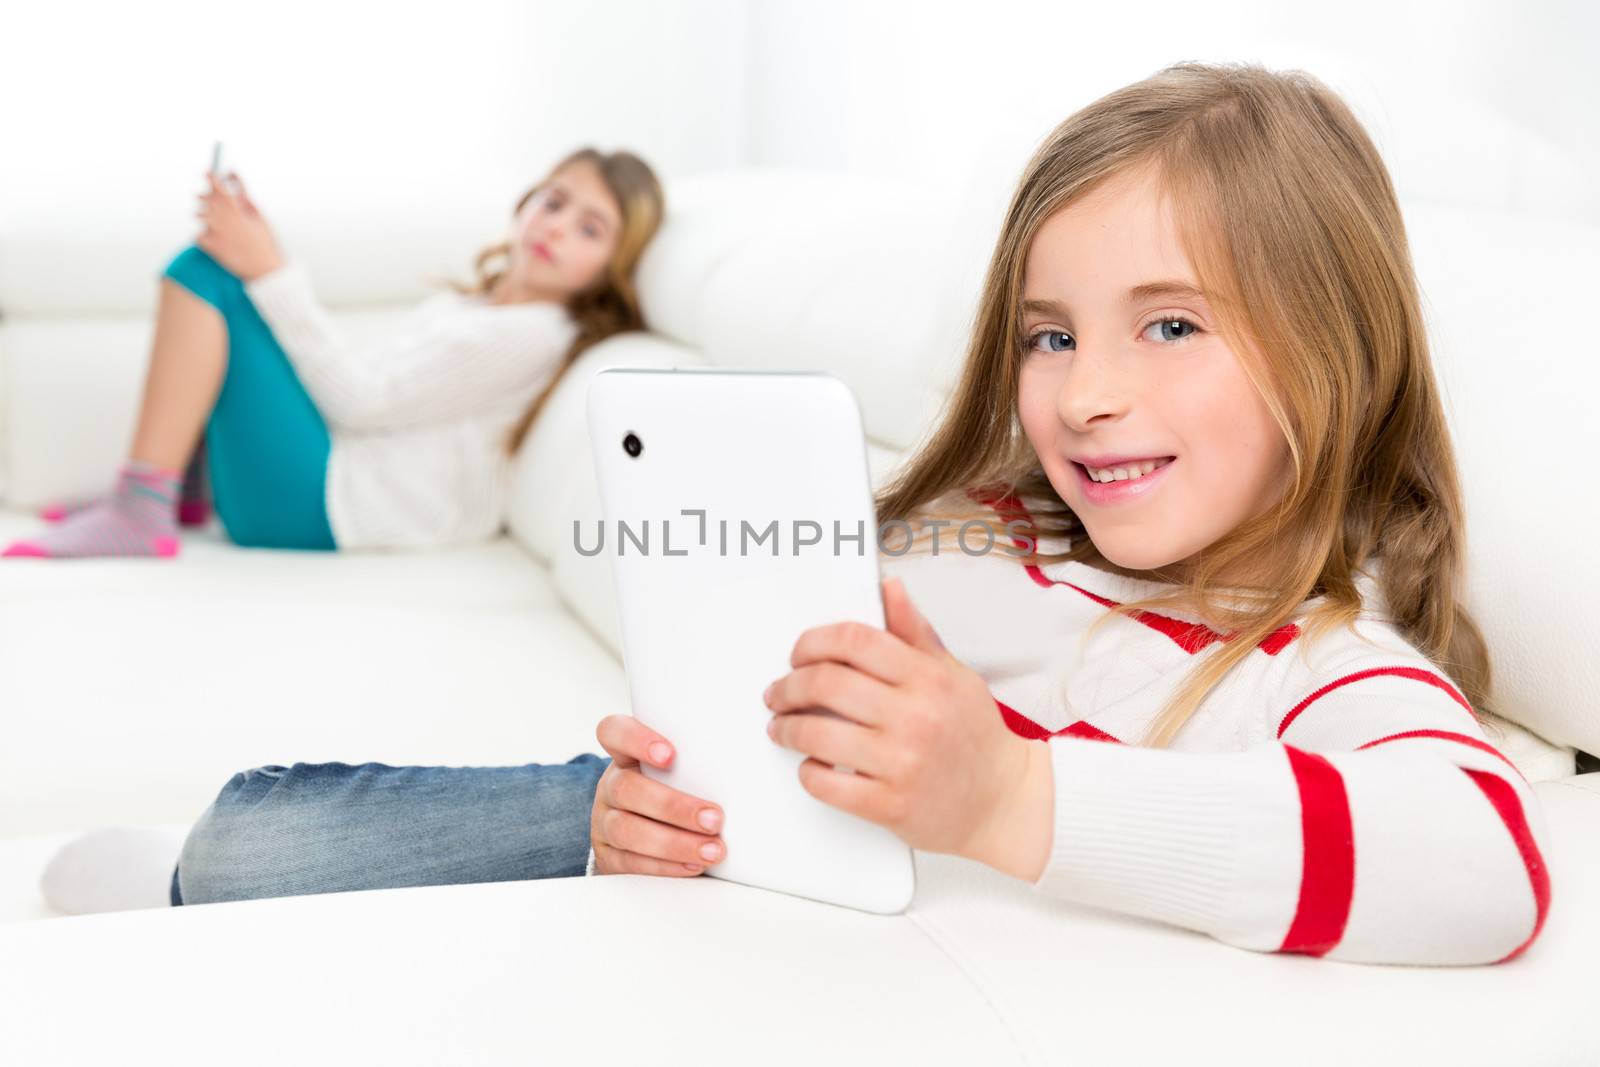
(437, 368)
(1379, 827)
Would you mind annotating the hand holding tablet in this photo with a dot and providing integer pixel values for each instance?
(641, 826)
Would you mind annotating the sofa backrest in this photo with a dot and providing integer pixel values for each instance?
(876, 281)
(869, 280)
(1506, 302)
(877, 284)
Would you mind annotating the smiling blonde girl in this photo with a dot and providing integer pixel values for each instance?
(1236, 679)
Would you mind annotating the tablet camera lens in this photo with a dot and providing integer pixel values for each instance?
(632, 445)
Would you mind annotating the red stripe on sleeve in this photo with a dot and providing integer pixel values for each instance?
(1446, 735)
(1503, 796)
(1023, 726)
(1328, 863)
(1414, 673)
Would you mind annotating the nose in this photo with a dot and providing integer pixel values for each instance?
(1091, 392)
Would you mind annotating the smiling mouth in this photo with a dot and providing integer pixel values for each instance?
(1128, 472)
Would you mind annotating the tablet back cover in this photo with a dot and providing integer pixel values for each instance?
(745, 518)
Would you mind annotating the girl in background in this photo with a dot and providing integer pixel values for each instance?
(314, 442)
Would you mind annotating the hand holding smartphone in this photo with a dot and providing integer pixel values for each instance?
(230, 182)
(235, 233)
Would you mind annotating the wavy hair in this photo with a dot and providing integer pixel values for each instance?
(1288, 214)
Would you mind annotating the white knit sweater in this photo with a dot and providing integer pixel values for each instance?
(1335, 798)
(418, 420)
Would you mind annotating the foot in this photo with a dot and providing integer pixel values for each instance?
(138, 519)
(118, 869)
(192, 513)
(194, 501)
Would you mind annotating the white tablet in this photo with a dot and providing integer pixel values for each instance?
(738, 514)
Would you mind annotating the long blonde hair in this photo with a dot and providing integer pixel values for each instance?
(611, 304)
(1288, 214)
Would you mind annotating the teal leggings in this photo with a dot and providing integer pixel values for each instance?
(266, 444)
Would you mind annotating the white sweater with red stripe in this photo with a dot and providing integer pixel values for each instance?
(1334, 798)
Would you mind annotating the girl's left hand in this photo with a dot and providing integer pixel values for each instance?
(236, 234)
(933, 760)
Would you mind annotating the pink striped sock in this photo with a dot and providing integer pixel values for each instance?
(138, 519)
(192, 511)
(194, 500)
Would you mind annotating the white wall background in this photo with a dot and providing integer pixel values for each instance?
(357, 114)
(346, 114)
(1477, 102)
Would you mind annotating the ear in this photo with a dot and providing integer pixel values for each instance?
(902, 619)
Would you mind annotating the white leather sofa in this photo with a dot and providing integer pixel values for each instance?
(131, 690)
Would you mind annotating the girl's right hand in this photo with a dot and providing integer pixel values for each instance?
(640, 825)
(236, 234)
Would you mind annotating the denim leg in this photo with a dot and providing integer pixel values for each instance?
(332, 827)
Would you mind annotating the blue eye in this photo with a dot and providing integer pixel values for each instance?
(1172, 320)
(1033, 341)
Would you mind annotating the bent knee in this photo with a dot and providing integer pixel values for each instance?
(235, 849)
(195, 270)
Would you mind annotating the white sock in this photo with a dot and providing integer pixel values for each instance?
(117, 869)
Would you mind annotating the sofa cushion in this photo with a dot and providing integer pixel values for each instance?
(135, 688)
(979, 969)
(556, 463)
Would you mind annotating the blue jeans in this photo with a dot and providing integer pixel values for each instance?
(333, 827)
(267, 446)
